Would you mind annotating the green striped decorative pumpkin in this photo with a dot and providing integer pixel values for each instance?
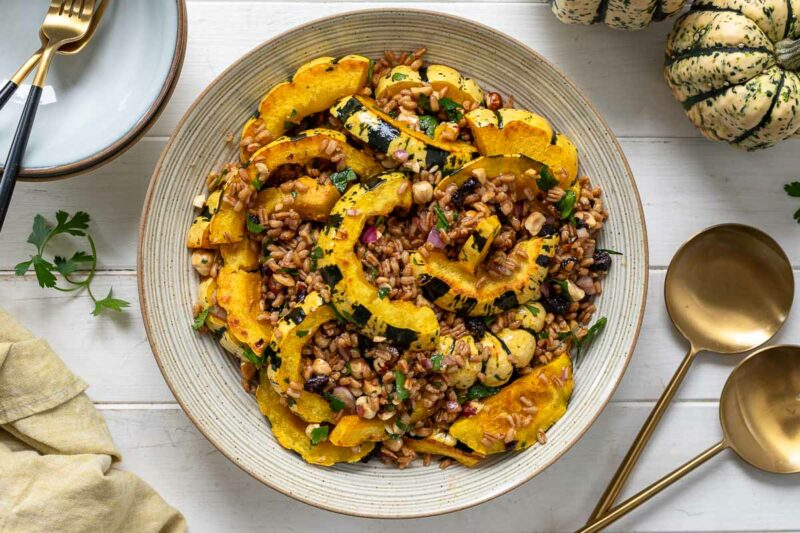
(732, 65)
(618, 14)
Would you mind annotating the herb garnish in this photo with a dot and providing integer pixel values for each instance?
(342, 178)
(76, 226)
(436, 361)
(567, 205)
(252, 357)
(383, 292)
(371, 69)
(533, 309)
(424, 103)
(200, 319)
(479, 391)
(253, 225)
(318, 435)
(400, 385)
(590, 335)
(452, 109)
(441, 223)
(256, 183)
(336, 404)
(316, 255)
(398, 76)
(428, 123)
(793, 190)
(546, 179)
(606, 250)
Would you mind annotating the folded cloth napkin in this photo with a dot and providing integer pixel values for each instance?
(56, 453)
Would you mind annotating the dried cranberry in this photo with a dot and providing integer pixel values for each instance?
(558, 304)
(466, 188)
(476, 325)
(565, 262)
(316, 384)
(602, 261)
(547, 230)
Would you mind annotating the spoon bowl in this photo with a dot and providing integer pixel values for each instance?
(729, 289)
(760, 409)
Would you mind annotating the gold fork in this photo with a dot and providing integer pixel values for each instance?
(67, 21)
(68, 49)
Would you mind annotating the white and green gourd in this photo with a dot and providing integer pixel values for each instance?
(618, 14)
(733, 66)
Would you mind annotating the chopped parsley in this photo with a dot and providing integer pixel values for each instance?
(424, 103)
(428, 123)
(595, 330)
(533, 309)
(373, 272)
(336, 404)
(289, 270)
(294, 193)
(293, 113)
(546, 179)
(256, 183)
(200, 319)
(398, 76)
(479, 391)
(252, 357)
(453, 110)
(606, 250)
(383, 292)
(342, 178)
(288, 125)
(318, 435)
(567, 205)
(253, 225)
(400, 385)
(441, 219)
(544, 334)
(370, 70)
(436, 361)
(302, 333)
(316, 255)
(564, 284)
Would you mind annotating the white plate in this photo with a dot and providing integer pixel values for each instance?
(96, 103)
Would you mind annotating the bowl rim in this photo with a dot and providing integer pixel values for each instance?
(490, 495)
(136, 132)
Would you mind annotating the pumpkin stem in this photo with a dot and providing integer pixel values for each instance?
(787, 52)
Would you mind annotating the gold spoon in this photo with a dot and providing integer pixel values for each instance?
(728, 290)
(760, 415)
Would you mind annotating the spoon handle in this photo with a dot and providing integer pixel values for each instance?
(636, 449)
(635, 501)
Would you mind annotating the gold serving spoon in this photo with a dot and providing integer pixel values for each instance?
(728, 290)
(68, 49)
(760, 415)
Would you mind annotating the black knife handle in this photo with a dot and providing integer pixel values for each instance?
(5, 93)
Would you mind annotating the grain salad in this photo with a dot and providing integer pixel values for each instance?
(404, 264)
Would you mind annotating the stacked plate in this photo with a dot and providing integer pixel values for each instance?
(97, 103)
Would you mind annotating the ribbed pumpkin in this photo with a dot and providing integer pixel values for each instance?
(618, 14)
(732, 64)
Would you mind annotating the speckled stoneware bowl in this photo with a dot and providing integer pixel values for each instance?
(206, 381)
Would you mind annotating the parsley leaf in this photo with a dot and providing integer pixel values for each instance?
(200, 319)
(533, 309)
(370, 70)
(316, 255)
(398, 76)
(76, 226)
(479, 391)
(452, 109)
(383, 292)
(441, 223)
(797, 216)
(564, 284)
(253, 225)
(567, 204)
(590, 335)
(792, 189)
(252, 357)
(400, 385)
(606, 250)
(342, 178)
(336, 404)
(318, 435)
(257, 184)
(428, 123)
(546, 179)
(436, 361)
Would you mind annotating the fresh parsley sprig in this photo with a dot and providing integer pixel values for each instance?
(76, 226)
(793, 190)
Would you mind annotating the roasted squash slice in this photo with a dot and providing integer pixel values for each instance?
(437, 448)
(308, 145)
(352, 430)
(290, 432)
(516, 131)
(401, 323)
(227, 225)
(527, 172)
(452, 286)
(478, 243)
(205, 296)
(498, 367)
(313, 88)
(200, 230)
(239, 293)
(440, 77)
(466, 375)
(315, 203)
(242, 255)
(293, 332)
(365, 121)
(548, 387)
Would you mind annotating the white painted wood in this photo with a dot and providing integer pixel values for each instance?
(165, 449)
(112, 354)
(685, 185)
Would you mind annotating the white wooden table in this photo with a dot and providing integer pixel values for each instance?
(686, 184)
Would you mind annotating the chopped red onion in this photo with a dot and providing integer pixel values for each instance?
(586, 283)
(452, 406)
(435, 239)
(545, 289)
(519, 207)
(582, 233)
(400, 155)
(369, 235)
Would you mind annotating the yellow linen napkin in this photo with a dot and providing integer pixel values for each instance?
(56, 453)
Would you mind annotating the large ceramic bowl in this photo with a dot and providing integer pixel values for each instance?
(97, 103)
(206, 381)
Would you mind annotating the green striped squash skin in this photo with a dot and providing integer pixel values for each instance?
(721, 64)
(617, 14)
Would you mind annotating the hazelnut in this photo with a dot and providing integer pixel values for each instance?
(494, 101)
(533, 224)
(422, 192)
(202, 261)
(364, 409)
(321, 367)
